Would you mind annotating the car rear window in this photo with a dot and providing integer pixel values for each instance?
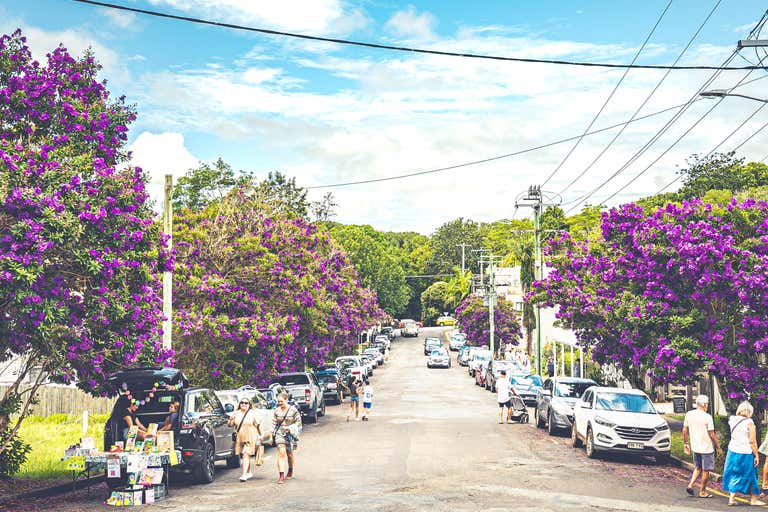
(291, 380)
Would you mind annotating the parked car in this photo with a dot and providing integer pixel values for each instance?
(494, 372)
(431, 344)
(463, 357)
(229, 396)
(620, 420)
(369, 362)
(389, 332)
(201, 434)
(481, 373)
(410, 329)
(263, 407)
(527, 386)
(457, 340)
(384, 339)
(439, 358)
(476, 357)
(351, 366)
(377, 355)
(306, 392)
(270, 394)
(331, 384)
(443, 321)
(555, 401)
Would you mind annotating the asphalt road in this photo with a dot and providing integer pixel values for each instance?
(433, 443)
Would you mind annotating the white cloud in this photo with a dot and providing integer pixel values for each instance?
(409, 24)
(121, 19)
(159, 154)
(314, 16)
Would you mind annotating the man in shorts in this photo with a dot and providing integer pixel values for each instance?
(367, 399)
(503, 394)
(699, 428)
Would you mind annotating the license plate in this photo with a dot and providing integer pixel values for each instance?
(635, 446)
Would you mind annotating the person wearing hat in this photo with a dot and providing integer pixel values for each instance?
(248, 435)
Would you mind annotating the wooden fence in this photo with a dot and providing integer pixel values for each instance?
(64, 400)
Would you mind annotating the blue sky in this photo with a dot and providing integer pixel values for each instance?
(326, 113)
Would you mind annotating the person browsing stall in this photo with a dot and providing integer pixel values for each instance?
(173, 418)
(130, 420)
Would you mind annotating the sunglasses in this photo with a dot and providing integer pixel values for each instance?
(243, 403)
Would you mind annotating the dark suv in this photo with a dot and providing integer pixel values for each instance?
(201, 432)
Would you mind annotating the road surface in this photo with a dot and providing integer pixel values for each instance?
(433, 443)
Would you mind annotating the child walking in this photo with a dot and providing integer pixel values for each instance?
(367, 399)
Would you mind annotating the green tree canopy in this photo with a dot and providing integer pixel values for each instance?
(446, 255)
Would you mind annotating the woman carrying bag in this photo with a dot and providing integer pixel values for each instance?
(286, 424)
(247, 435)
(740, 474)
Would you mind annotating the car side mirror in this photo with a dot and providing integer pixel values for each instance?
(229, 408)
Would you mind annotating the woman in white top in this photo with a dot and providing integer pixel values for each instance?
(741, 463)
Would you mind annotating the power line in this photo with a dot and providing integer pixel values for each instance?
(379, 46)
(645, 102)
(751, 136)
(493, 158)
(610, 96)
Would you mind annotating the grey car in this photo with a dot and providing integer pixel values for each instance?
(555, 401)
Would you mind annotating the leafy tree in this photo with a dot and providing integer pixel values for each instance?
(526, 255)
(379, 270)
(446, 256)
(79, 253)
(433, 301)
(199, 187)
(720, 171)
(413, 253)
(473, 317)
(282, 195)
(257, 294)
(585, 224)
(456, 289)
(325, 209)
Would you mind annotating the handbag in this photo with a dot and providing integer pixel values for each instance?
(234, 434)
(277, 427)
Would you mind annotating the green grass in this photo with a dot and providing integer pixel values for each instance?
(678, 451)
(49, 437)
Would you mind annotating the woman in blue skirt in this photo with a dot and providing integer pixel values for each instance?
(741, 463)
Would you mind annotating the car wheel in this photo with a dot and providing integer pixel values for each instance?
(312, 418)
(539, 423)
(590, 447)
(551, 429)
(322, 409)
(575, 441)
(662, 460)
(205, 471)
(233, 462)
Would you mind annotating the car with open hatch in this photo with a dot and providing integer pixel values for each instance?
(620, 420)
(201, 430)
(330, 381)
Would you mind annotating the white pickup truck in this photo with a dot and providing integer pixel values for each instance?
(305, 392)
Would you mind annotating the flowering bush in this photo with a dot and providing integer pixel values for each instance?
(257, 294)
(79, 253)
(473, 318)
(677, 290)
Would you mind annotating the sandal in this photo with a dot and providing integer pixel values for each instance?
(689, 490)
(705, 495)
(757, 503)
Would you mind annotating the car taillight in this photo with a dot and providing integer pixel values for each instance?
(187, 454)
(307, 394)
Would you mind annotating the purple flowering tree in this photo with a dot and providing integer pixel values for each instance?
(674, 291)
(79, 254)
(258, 293)
(473, 318)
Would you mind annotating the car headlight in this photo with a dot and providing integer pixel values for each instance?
(604, 422)
(662, 428)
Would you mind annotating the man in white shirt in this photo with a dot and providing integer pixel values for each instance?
(699, 428)
(503, 393)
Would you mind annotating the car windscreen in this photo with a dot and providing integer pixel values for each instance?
(503, 365)
(327, 378)
(346, 363)
(624, 402)
(440, 352)
(227, 398)
(526, 380)
(482, 357)
(572, 389)
(291, 380)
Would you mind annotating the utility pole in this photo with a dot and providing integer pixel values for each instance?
(534, 199)
(463, 247)
(482, 254)
(492, 304)
(167, 275)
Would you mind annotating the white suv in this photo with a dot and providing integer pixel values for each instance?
(619, 420)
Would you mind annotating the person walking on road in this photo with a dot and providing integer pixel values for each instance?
(353, 385)
(503, 395)
(699, 437)
(740, 474)
(286, 423)
(247, 435)
(367, 399)
(764, 450)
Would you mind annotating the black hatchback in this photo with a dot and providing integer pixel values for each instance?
(201, 432)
